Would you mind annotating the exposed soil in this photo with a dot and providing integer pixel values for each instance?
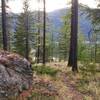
(63, 87)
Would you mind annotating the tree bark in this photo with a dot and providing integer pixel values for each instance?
(27, 39)
(38, 48)
(4, 30)
(73, 40)
(44, 30)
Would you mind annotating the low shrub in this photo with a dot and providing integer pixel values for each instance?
(45, 70)
(39, 96)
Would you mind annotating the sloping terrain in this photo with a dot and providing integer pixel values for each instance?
(65, 85)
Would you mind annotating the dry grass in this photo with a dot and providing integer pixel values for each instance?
(69, 86)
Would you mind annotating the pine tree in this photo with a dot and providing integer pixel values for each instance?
(94, 15)
(19, 36)
(24, 34)
(26, 21)
(38, 47)
(44, 30)
(4, 30)
(73, 40)
(64, 38)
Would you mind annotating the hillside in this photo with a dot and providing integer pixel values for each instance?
(56, 21)
(56, 18)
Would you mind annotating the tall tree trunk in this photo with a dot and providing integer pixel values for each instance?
(26, 12)
(70, 60)
(27, 37)
(38, 48)
(52, 46)
(4, 30)
(44, 30)
(73, 41)
(75, 32)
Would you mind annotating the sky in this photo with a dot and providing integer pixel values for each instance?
(51, 5)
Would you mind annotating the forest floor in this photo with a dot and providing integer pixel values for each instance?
(65, 85)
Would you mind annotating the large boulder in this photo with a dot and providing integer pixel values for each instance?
(15, 74)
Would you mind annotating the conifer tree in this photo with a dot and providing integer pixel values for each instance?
(64, 38)
(44, 29)
(4, 30)
(73, 40)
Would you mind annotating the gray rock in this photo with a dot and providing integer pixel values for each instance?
(15, 74)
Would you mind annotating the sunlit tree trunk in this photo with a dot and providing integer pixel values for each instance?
(4, 30)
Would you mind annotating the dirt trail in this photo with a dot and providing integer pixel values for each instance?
(64, 84)
(68, 89)
(70, 93)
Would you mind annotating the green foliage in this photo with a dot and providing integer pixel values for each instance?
(49, 46)
(94, 16)
(45, 70)
(88, 69)
(24, 87)
(83, 49)
(24, 37)
(89, 83)
(19, 36)
(64, 38)
(40, 96)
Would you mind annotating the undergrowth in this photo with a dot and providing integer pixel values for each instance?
(45, 70)
(89, 80)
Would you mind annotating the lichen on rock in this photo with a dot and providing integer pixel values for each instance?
(15, 74)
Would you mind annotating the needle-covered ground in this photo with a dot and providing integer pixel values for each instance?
(55, 81)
